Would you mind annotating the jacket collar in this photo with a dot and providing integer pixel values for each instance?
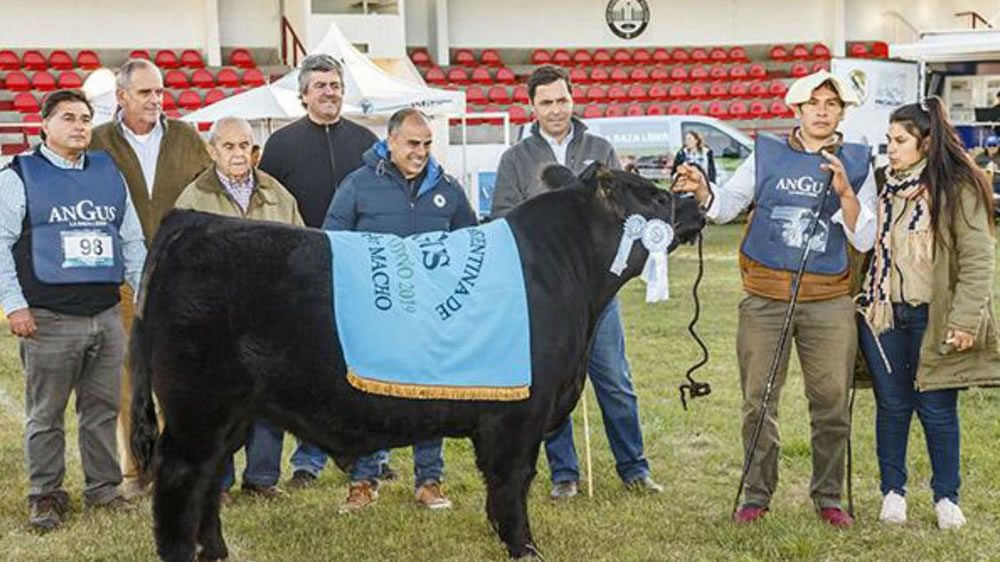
(378, 158)
(579, 128)
(209, 183)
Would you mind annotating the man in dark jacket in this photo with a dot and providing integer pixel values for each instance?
(401, 190)
(310, 157)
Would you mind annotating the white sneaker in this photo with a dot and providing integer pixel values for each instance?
(949, 515)
(893, 509)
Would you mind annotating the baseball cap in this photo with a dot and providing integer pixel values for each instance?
(801, 90)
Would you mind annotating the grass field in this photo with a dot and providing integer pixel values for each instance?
(695, 454)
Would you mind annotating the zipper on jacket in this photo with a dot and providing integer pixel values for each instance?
(333, 162)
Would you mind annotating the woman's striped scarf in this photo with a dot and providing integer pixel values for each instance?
(875, 303)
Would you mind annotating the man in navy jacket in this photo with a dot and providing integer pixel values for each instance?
(400, 189)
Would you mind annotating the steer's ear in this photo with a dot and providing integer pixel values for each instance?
(560, 177)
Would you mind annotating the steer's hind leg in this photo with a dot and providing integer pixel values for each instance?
(508, 465)
(213, 545)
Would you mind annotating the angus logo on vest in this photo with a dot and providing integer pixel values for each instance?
(83, 213)
(804, 185)
(627, 18)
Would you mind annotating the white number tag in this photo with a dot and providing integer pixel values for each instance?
(87, 248)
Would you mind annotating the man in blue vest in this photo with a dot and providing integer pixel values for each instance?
(69, 236)
(785, 180)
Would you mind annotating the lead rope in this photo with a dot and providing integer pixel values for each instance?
(694, 388)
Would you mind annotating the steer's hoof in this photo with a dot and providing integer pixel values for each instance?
(531, 552)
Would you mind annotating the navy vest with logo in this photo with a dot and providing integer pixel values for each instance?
(789, 188)
(69, 256)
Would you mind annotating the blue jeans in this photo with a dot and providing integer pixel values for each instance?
(309, 458)
(263, 457)
(609, 373)
(896, 399)
(428, 463)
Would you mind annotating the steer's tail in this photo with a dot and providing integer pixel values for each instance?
(145, 426)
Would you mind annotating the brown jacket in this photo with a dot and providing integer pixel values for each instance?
(269, 200)
(182, 157)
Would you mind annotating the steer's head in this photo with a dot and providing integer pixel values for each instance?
(616, 195)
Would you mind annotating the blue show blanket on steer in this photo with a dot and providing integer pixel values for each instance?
(437, 315)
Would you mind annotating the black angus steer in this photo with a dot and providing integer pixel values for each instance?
(235, 322)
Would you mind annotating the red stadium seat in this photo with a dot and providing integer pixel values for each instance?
(680, 56)
(696, 109)
(699, 55)
(699, 92)
(779, 109)
(698, 73)
(738, 72)
(582, 57)
(191, 58)
(820, 65)
(241, 58)
(777, 89)
(599, 75)
(253, 77)
(562, 57)
(593, 111)
(88, 60)
(214, 95)
(880, 50)
(499, 94)
(227, 78)
(661, 56)
(17, 81)
(491, 57)
(474, 94)
(541, 56)
(139, 54)
(202, 78)
(597, 94)
(457, 75)
(718, 72)
(434, 76)
(481, 75)
(619, 74)
(799, 70)
(639, 74)
(659, 74)
(758, 110)
(464, 57)
(637, 93)
(758, 90)
(615, 110)
(518, 115)
(43, 81)
(172, 114)
(189, 99)
(33, 60)
(166, 59)
(800, 52)
(820, 52)
(676, 109)
(505, 76)
(859, 50)
(738, 54)
(778, 53)
(33, 118)
(69, 79)
(634, 110)
(169, 101)
(176, 79)
(617, 93)
(658, 93)
(9, 60)
(739, 90)
(621, 56)
(60, 60)
(678, 73)
(420, 58)
(601, 57)
(578, 75)
(757, 70)
(718, 55)
(24, 102)
(679, 92)
(656, 109)
(521, 94)
(641, 57)
(579, 94)
(738, 110)
(718, 90)
(718, 109)
(13, 149)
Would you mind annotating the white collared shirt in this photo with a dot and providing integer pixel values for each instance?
(558, 148)
(146, 148)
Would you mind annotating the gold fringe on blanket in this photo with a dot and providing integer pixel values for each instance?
(437, 392)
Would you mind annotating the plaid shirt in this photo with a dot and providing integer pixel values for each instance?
(241, 190)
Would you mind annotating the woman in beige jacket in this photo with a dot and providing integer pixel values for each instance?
(927, 324)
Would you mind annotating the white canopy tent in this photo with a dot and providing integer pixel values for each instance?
(951, 46)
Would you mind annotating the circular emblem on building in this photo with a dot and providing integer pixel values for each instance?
(439, 200)
(627, 18)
